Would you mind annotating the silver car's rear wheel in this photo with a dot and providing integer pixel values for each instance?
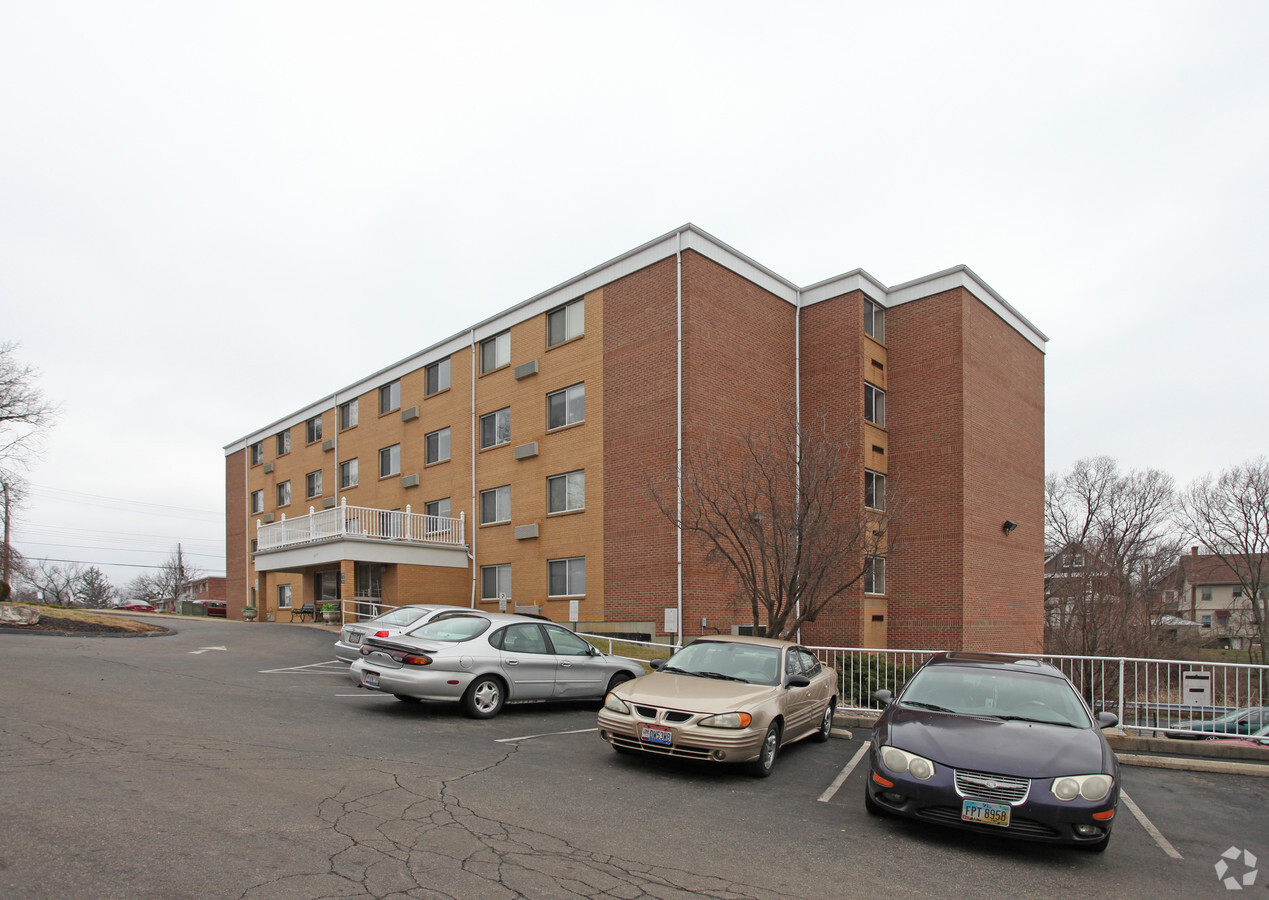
(762, 766)
(484, 698)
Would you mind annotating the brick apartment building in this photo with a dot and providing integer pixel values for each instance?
(509, 465)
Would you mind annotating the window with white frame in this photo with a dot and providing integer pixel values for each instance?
(567, 492)
(389, 398)
(566, 407)
(438, 508)
(257, 501)
(257, 453)
(566, 577)
(437, 377)
(284, 494)
(390, 461)
(495, 352)
(313, 430)
(875, 405)
(875, 575)
(313, 484)
(348, 473)
(566, 323)
(495, 505)
(284, 596)
(284, 442)
(874, 321)
(437, 446)
(495, 582)
(874, 490)
(495, 428)
(348, 415)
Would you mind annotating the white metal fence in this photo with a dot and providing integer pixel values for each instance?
(362, 522)
(1148, 695)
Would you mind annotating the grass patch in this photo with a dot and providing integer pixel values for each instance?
(54, 618)
(633, 651)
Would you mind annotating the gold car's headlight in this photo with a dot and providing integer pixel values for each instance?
(900, 761)
(1091, 787)
(727, 720)
(613, 703)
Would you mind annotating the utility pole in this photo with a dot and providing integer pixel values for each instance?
(180, 578)
(4, 570)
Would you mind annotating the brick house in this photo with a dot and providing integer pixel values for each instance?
(1212, 595)
(509, 465)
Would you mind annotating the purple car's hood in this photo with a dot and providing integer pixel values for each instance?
(984, 744)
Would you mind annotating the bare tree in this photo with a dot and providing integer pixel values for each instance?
(167, 583)
(25, 414)
(1113, 538)
(53, 584)
(783, 509)
(1229, 516)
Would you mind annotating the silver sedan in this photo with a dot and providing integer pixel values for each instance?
(483, 660)
(393, 622)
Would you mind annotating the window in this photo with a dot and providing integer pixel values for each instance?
(874, 490)
(437, 377)
(390, 461)
(567, 492)
(257, 501)
(313, 484)
(348, 415)
(566, 577)
(284, 494)
(438, 508)
(313, 430)
(495, 582)
(369, 579)
(284, 442)
(1207, 621)
(566, 323)
(566, 643)
(1238, 595)
(438, 446)
(874, 405)
(389, 398)
(348, 473)
(257, 453)
(495, 428)
(875, 575)
(495, 505)
(874, 321)
(525, 638)
(1207, 595)
(566, 407)
(284, 596)
(495, 352)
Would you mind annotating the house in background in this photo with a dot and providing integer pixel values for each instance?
(1212, 595)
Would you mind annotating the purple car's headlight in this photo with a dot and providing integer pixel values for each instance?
(900, 761)
(1091, 787)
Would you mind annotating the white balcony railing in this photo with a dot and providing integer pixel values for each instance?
(345, 521)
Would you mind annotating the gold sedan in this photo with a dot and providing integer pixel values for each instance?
(724, 699)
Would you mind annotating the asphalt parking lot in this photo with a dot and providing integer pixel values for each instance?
(235, 760)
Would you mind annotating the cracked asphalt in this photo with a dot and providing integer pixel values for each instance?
(230, 760)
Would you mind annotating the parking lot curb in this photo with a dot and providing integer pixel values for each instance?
(1215, 766)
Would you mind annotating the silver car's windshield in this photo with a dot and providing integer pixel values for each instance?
(1005, 695)
(720, 659)
(452, 628)
(398, 617)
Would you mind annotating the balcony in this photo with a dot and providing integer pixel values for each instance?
(360, 534)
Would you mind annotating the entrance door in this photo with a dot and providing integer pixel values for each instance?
(327, 588)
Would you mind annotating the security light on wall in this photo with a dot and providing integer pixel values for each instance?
(1009, 526)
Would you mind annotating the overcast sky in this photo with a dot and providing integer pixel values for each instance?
(213, 214)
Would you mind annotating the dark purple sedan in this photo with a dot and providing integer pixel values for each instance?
(995, 744)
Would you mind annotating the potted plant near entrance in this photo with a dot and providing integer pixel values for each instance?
(249, 613)
(328, 612)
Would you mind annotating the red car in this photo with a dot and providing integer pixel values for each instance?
(215, 608)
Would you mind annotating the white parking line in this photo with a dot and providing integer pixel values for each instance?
(529, 737)
(1149, 827)
(331, 665)
(845, 773)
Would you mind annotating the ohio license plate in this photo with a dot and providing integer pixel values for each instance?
(371, 679)
(985, 813)
(651, 735)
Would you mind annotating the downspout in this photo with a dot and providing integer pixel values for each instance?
(797, 413)
(471, 552)
(678, 512)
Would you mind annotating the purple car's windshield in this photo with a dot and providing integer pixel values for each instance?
(1005, 695)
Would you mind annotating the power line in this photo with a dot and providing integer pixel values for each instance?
(121, 501)
(85, 562)
(115, 549)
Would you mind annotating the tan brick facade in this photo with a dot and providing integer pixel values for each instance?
(964, 437)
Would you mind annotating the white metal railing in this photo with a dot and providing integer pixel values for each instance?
(362, 522)
(1148, 695)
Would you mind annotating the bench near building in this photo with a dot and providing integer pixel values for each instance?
(508, 465)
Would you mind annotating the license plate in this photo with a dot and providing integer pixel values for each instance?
(651, 735)
(354, 637)
(985, 813)
(371, 679)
